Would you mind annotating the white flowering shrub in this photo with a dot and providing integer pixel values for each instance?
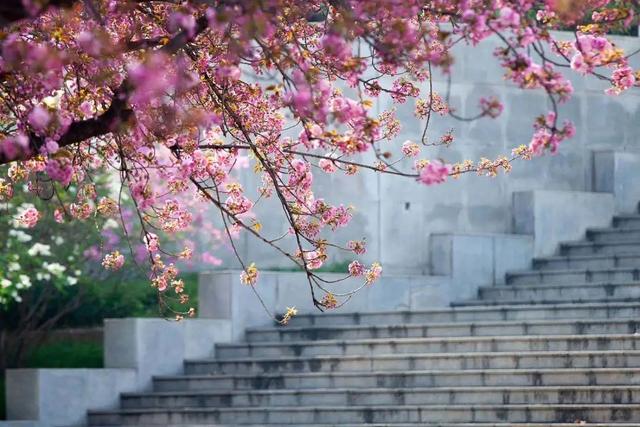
(36, 251)
(28, 256)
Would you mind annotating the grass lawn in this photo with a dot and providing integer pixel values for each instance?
(66, 355)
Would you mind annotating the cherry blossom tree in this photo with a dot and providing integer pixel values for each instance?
(174, 99)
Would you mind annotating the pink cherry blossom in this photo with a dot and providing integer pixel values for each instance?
(623, 79)
(357, 246)
(176, 113)
(29, 217)
(152, 242)
(182, 21)
(58, 215)
(410, 149)
(39, 118)
(113, 261)
(314, 259)
(89, 43)
(327, 165)
(508, 17)
(578, 64)
(211, 259)
(435, 172)
(60, 169)
(373, 273)
(356, 269)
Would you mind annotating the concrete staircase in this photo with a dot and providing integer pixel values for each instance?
(556, 346)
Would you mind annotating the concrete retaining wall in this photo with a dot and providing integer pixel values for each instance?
(158, 346)
(474, 260)
(222, 296)
(552, 217)
(461, 263)
(61, 397)
(616, 172)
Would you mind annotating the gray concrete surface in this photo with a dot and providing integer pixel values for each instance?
(616, 172)
(222, 296)
(552, 217)
(474, 260)
(61, 397)
(157, 346)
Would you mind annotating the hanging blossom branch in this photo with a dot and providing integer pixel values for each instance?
(177, 99)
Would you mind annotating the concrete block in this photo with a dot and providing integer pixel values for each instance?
(134, 351)
(20, 384)
(159, 347)
(222, 296)
(510, 252)
(616, 172)
(55, 397)
(474, 260)
(25, 423)
(552, 217)
(451, 255)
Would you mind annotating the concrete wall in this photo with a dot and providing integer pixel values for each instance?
(462, 263)
(397, 216)
(222, 296)
(158, 346)
(552, 217)
(17, 423)
(616, 172)
(61, 397)
(474, 260)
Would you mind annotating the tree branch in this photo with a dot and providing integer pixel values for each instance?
(117, 113)
(14, 10)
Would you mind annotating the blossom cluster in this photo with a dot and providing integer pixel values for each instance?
(176, 100)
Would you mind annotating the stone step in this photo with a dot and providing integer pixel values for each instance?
(474, 314)
(412, 362)
(590, 248)
(409, 379)
(430, 345)
(573, 276)
(532, 302)
(587, 262)
(626, 221)
(609, 424)
(376, 414)
(384, 396)
(495, 328)
(555, 292)
(613, 235)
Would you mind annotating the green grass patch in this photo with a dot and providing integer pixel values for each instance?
(334, 267)
(66, 355)
(116, 297)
